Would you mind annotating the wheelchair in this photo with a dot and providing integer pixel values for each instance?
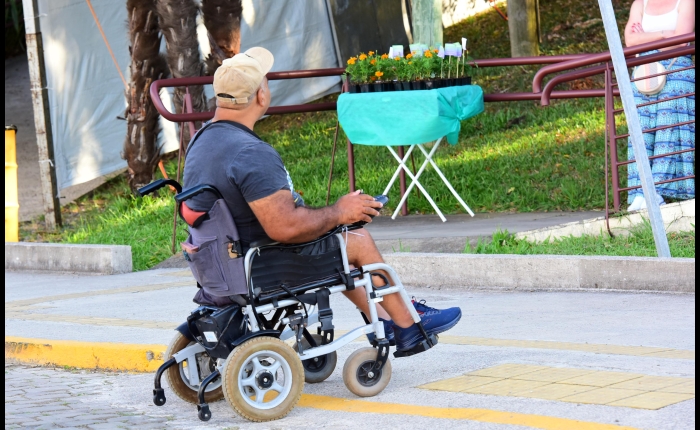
(252, 344)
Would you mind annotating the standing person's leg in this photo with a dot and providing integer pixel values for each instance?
(647, 117)
(678, 138)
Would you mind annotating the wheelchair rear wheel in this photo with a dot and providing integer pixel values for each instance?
(318, 369)
(263, 379)
(178, 374)
(360, 375)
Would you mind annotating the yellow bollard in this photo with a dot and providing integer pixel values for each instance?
(11, 203)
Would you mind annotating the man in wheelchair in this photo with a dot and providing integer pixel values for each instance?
(258, 191)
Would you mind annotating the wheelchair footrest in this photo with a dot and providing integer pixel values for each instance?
(421, 347)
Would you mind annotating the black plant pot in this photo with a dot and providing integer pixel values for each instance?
(364, 88)
(418, 85)
(467, 80)
(353, 88)
(405, 86)
(429, 85)
(397, 86)
(388, 86)
(376, 87)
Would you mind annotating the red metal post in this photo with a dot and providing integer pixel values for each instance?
(351, 166)
(612, 132)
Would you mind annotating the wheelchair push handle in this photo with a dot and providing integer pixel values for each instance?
(157, 185)
(194, 191)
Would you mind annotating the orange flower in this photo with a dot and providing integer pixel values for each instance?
(373, 61)
(428, 54)
(397, 58)
(409, 56)
(436, 50)
(384, 56)
(370, 53)
(372, 78)
(363, 57)
(378, 74)
(352, 60)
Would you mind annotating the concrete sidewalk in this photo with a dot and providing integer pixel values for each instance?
(114, 321)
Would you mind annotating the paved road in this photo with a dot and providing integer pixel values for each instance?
(588, 332)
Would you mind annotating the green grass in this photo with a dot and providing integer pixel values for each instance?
(513, 157)
(639, 243)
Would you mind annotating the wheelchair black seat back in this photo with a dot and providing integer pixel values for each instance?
(252, 300)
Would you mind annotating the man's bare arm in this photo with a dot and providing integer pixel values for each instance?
(286, 223)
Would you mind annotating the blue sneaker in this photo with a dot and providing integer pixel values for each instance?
(388, 332)
(434, 321)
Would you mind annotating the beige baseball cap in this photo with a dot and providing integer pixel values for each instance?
(239, 77)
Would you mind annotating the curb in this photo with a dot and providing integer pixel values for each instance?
(84, 355)
(545, 272)
(61, 257)
(676, 217)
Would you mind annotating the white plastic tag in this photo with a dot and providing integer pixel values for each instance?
(464, 44)
(210, 336)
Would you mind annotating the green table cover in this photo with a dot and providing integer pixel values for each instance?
(408, 117)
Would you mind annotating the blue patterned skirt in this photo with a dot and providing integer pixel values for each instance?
(671, 139)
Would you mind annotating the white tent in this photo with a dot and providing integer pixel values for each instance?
(86, 93)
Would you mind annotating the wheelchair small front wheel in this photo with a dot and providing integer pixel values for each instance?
(263, 379)
(361, 376)
(179, 375)
(318, 369)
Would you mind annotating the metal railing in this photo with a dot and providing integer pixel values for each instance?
(612, 161)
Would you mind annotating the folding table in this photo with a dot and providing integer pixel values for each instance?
(414, 118)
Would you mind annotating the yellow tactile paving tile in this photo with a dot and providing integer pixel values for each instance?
(649, 383)
(601, 379)
(506, 387)
(572, 385)
(651, 400)
(507, 370)
(601, 396)
(684, 388)
(554, 391)
(460, 383)
(554, 374)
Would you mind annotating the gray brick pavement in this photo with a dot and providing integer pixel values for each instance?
(44, 398)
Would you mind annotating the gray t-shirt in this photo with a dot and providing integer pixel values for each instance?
(232, 158)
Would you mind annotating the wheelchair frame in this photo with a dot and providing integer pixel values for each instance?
(295, 324)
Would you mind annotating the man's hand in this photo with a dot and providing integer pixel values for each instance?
(356, 207)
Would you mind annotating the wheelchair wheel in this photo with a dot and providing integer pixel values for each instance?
(318, 369)
(178, 375)
(263, 379)
(360, 376)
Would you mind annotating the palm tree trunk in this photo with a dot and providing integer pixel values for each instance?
(222, 18)
(178, 23)
(147, 65)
